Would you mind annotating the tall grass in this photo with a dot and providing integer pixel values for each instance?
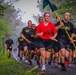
(9, 66)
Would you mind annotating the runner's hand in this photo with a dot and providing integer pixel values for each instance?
(61, 24)
(29, 42)
(40, 34)
(52, 38)
(71, 39)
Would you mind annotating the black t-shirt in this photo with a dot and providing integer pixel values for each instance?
(9, 42)
(32, 34)
(21, 41)
(26, 32)
(56, 24)
(62, 33)
(75, 31)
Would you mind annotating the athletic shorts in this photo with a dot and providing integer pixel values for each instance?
(56, 47)
(32, 46)
(47, 44)
(64, 44)
(9, 48)
(25, 44)
(37, 43)
(20, 47)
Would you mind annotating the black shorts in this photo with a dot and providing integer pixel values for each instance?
(56, 47)
(37, 43)
(9, 48)
(32, 46)
(47, 44)
(64, 44)
(21, 48)
(25, 44)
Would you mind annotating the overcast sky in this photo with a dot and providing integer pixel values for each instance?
(28, 7)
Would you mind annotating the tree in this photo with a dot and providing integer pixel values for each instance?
(2, 8)
(66, 5)
(63, 6)
(8, 22)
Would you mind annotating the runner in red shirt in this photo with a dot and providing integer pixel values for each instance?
(47, 34)
(47, 30)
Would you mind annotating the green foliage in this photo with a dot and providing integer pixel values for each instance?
(4, 30)
(30, 71)
(66, 6)
(2, 8)
(10, 66)
(3, 27)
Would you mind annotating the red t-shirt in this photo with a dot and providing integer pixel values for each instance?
(48, 31)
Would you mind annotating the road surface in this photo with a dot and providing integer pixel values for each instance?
(53, 70)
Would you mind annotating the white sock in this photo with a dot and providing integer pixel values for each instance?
(43, 66)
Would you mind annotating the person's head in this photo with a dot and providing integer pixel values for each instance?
(40, 19)
(9, 37)
(33, 26)
(66, 16)
(46, 16)
(29, 23)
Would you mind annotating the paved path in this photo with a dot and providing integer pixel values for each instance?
(49, 68)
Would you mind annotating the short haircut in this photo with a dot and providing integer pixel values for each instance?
(46, 13)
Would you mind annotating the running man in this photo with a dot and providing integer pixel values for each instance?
(64, 40)
(26, 36)
(9, 44)
(37, 53)
(20, 43)
(32, 45)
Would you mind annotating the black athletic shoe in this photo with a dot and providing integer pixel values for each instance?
(49, 63)
(20, 59)
(38, 63)
(63, 68)
(30, 62)
(75, 61)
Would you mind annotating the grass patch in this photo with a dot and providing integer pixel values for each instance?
(9, 66)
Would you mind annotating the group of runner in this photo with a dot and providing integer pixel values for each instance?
(48, 41)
